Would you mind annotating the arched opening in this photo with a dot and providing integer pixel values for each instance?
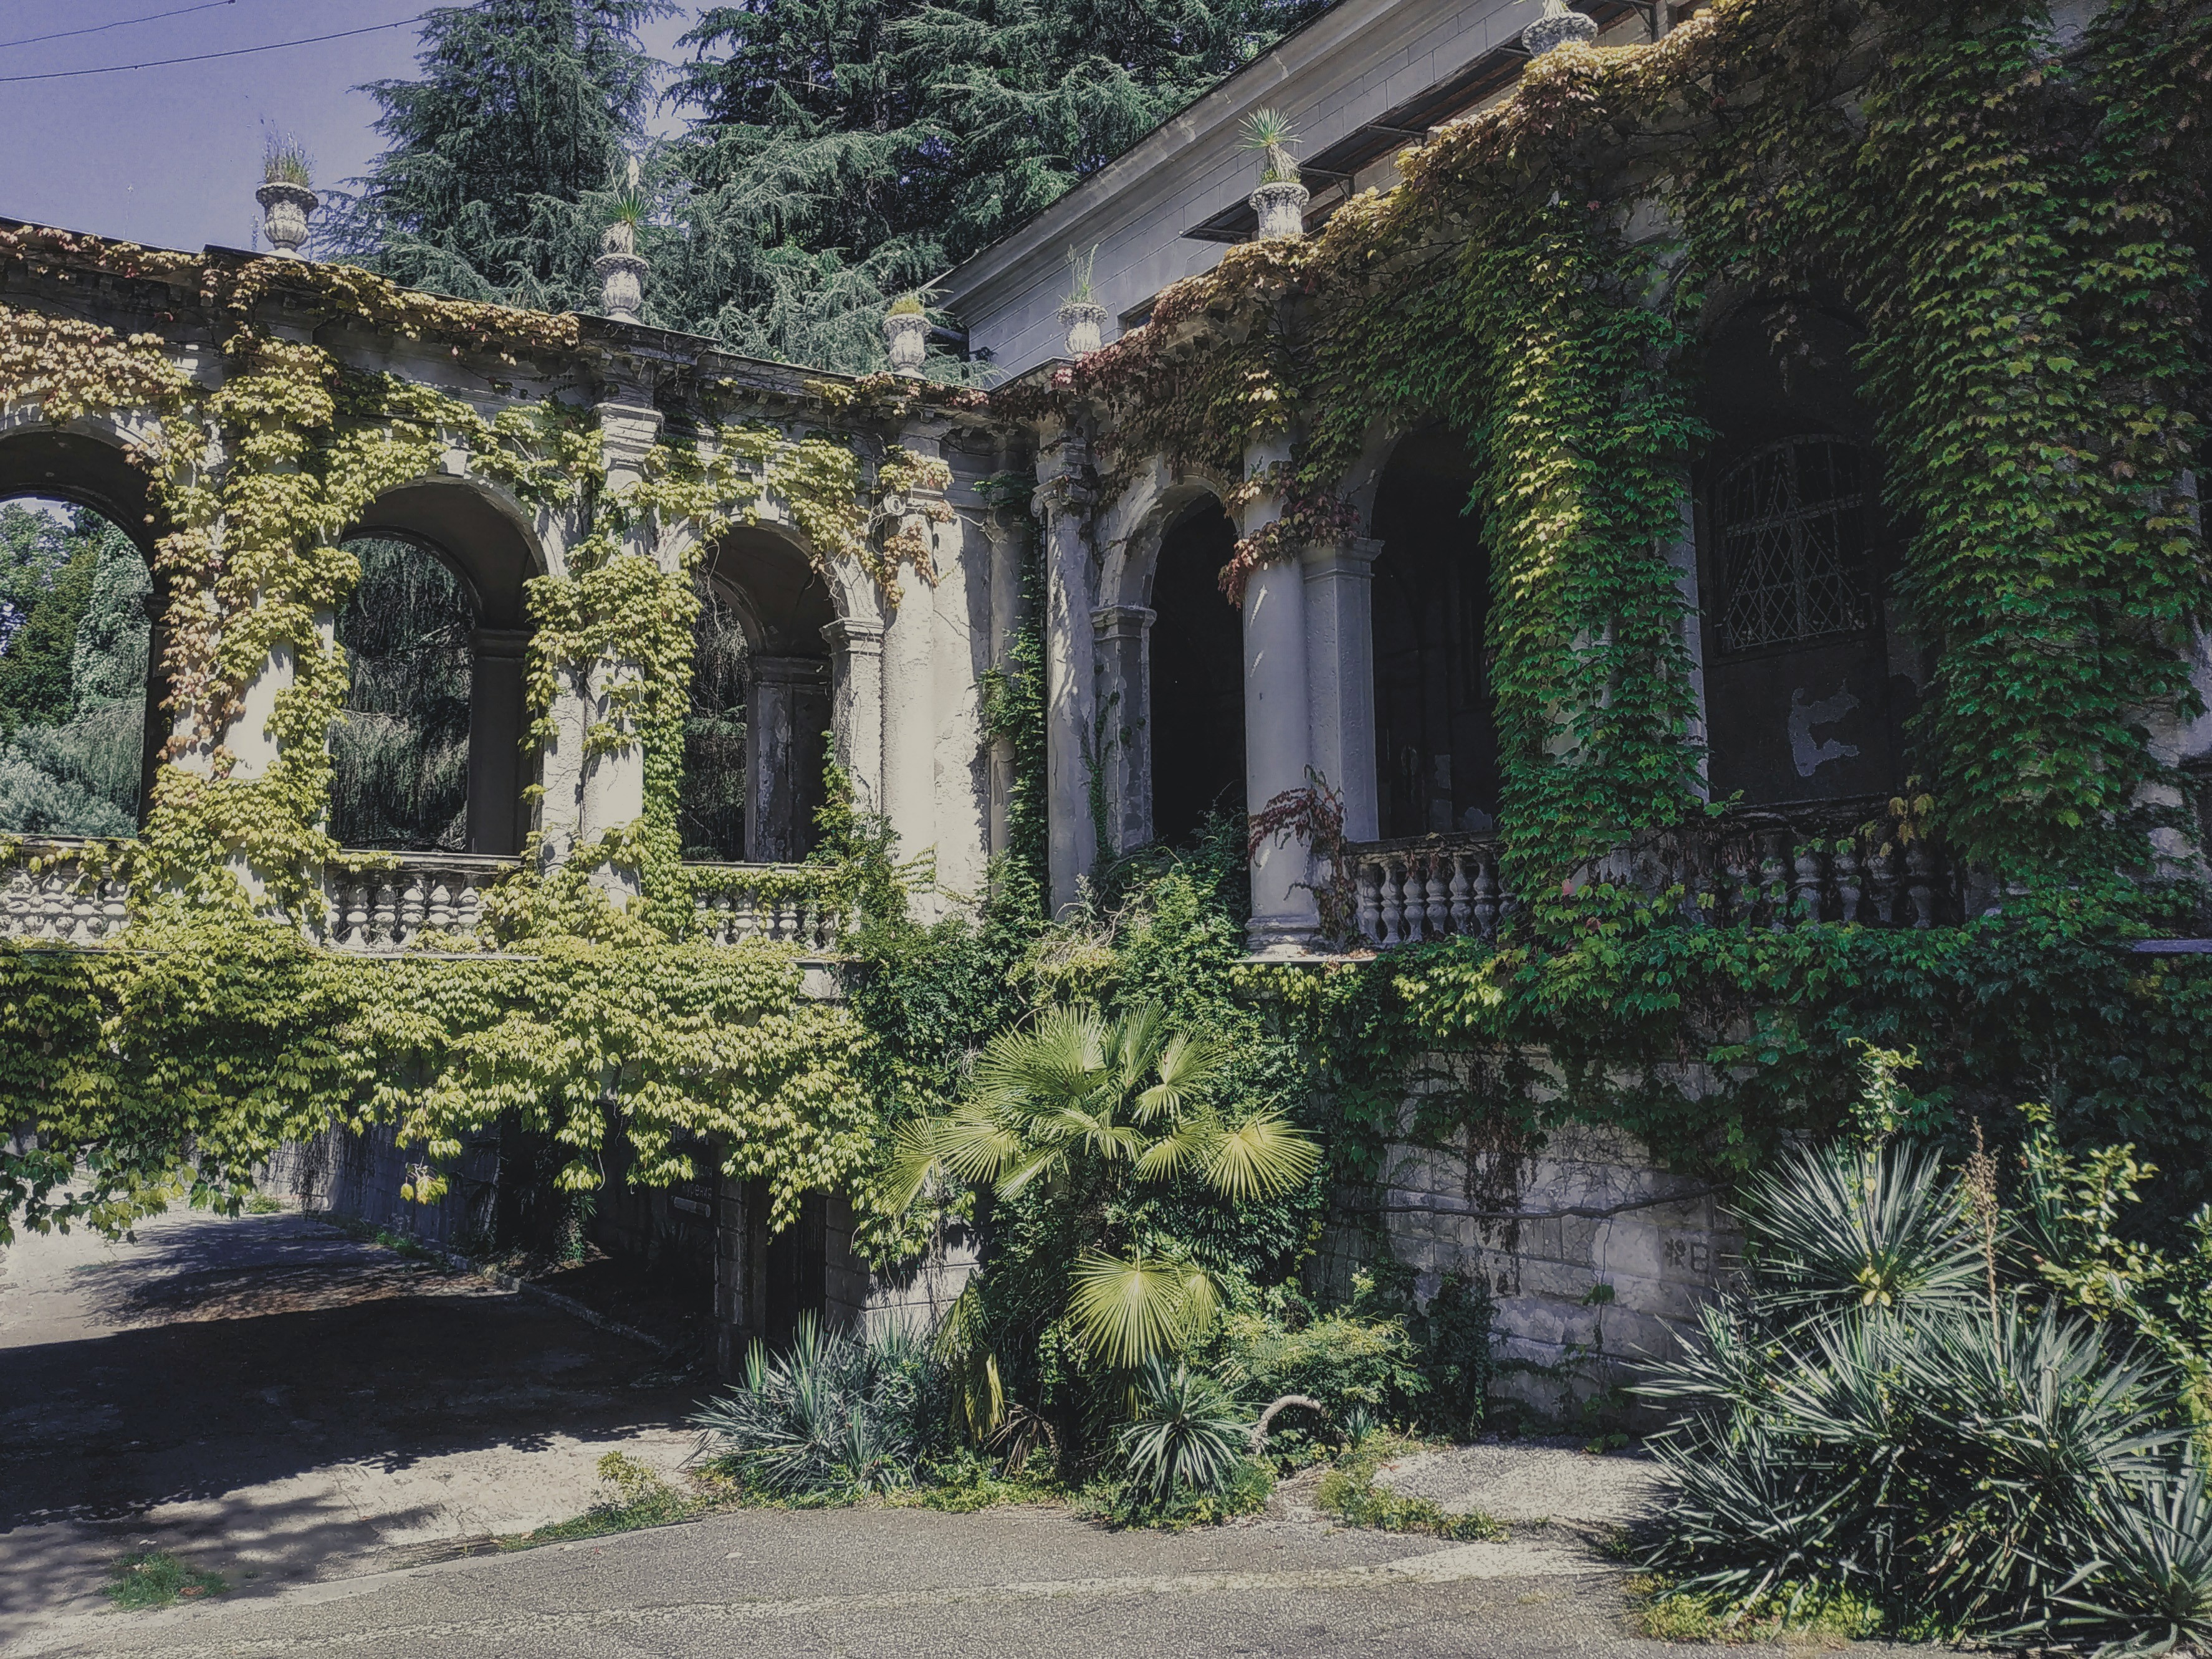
(76, 641)
(1808, 682)
(1195, 712)
(456, 564)
(81, 681)
(756, 738)
(1436, 734)
(401, 754)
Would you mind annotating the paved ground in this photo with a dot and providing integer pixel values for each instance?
(280, 1403)
(323, 1422)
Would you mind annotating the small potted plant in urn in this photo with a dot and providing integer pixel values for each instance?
(906, 334)
(621, 272)
(286, 196)
(1281, 201)
(1559, 26)
(1080, 311)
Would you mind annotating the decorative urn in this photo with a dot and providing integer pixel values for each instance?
(1557, 27)
(1084, 319)
(284, 210)
(622, 274)
(1281, 206)
(906, 334)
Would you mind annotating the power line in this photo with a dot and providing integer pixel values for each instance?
(209, 57)
(120, 23)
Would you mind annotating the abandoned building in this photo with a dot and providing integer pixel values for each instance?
(1355, 656)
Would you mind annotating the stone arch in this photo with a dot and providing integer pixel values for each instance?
(480, 534)
(86, 463)
(790, 610)
(1808, 679)
(1169, 656)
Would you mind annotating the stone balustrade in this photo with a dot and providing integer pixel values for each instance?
(45, 896)
(377, 910)
(1764, 869)
(384, 906)
(738, 902)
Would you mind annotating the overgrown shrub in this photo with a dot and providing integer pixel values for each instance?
(1884, 1412)
(1349, 1363)
(834, 1418)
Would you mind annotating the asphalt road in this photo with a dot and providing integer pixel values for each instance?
(1008, 1584)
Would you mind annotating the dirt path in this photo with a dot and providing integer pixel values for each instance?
(279, 1402)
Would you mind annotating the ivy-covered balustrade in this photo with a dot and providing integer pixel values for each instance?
(245, 418)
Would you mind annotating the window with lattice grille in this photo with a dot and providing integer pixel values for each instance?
(1792, 534)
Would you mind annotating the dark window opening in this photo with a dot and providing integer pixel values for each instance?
(711, 807)
(1436, 742)
(1196, 720)
(1792, 534)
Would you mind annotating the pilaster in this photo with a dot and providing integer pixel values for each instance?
(856, 705)
(1063, 500)
(1124, 634)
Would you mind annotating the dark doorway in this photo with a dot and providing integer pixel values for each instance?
(1197, 715)
(1436, 738)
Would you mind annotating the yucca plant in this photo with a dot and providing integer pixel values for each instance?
(1270, 132)
(834, 1417)
(1187, 1435)
(1084, 1108)
(2150, 1591)
(1081, 290)
(286, 162)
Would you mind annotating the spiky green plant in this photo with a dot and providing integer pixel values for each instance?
(1084, 1107)
(834, 1417)
(1270, 132)
(1187, 1435)
(285, 160)
(1081, 290)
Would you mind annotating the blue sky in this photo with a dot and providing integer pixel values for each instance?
(171, 156)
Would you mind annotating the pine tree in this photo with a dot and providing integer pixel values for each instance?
(892, 137)
(524, 109)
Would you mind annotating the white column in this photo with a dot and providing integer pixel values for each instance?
(1063, 501)
(1277, 728)
(909, 762)
(1008, 531)
(1125, 693)
(613, 792)
(856, 706)
(1339, 578)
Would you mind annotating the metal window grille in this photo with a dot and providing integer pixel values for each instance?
(1793, 543)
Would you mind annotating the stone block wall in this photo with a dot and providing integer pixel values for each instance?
(361, 1176)
(1577, 1298)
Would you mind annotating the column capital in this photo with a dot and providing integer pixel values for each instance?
(509, 643)
(853, 634)
(790, 670)
(1346, 555)
(1121, 621)
(1061, 495)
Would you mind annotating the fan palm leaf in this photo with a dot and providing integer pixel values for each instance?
(1130, 1311)
(1261, 1157)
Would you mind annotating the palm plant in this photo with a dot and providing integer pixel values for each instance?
(1083, 1108)
(1270, 132)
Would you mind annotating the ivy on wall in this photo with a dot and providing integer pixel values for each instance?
(2018, 231)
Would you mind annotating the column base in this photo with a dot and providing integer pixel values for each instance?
(1281, 936)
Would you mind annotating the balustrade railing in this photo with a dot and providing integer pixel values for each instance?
(773, 902)
(392, 903)
(375, 910)
(1764, 869)
(46, 897)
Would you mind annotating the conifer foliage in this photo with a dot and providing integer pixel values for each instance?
(836, 152)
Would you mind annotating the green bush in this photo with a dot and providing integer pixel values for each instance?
(834, 1419)
(1348, 1363)
(1885, 1414)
